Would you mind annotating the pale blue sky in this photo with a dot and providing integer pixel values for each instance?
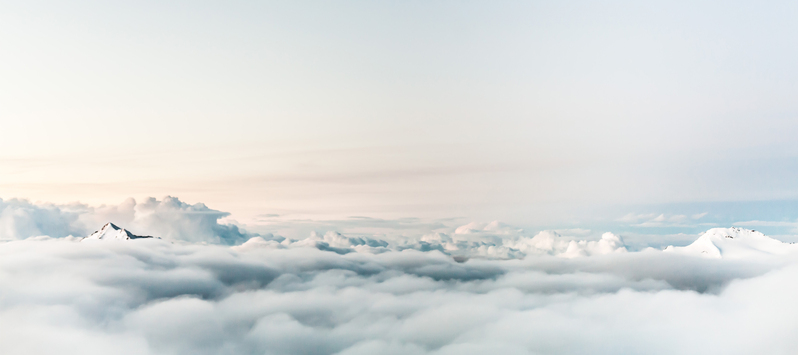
(521, 111)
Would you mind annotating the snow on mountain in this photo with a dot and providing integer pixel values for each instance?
(111, 231)
(734, 243)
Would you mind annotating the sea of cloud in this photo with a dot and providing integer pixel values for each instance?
(337, 294)
(178, 221)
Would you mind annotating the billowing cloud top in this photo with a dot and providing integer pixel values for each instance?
(168, 218)
(175, 220)
(481, 288)
(151, 296)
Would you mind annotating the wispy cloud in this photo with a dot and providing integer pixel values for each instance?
(766, 224)
(661, 220)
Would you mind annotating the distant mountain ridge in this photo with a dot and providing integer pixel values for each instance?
(110, 231)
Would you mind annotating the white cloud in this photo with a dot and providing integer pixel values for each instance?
(766, 224)
(156, 297)
(660, 220)
(699, 215)
(495, 227)
(551, 243)
(168, 218)
(175, 220)
(489, 288)
(21, 219)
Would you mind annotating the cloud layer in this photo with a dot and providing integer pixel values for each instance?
(175, 220)
(468, 289)
(157, 297)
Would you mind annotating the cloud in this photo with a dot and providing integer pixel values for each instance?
(699, 215)
(766, 224)
(157, 297)
(661, 220)
(168, 218)
(171, 218)
(460, 245)
(495, 227)
(489, 287)
(21, 219)
(175, 220)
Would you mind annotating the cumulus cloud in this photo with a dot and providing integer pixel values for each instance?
(20, 219)
(168, 218)
(468, 289)
(176, 220)
(157, 297)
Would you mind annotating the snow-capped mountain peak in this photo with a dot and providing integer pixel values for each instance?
(110, 231)
(734, 243)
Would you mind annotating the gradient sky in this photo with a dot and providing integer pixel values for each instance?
(527, 112)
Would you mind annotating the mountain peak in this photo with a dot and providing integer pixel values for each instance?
(110, 231)
(733, 243)
(110, 225)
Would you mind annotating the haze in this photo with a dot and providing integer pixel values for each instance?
(520, 111)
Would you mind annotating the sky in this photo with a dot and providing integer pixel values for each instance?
(398, 177)
(543, 114)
